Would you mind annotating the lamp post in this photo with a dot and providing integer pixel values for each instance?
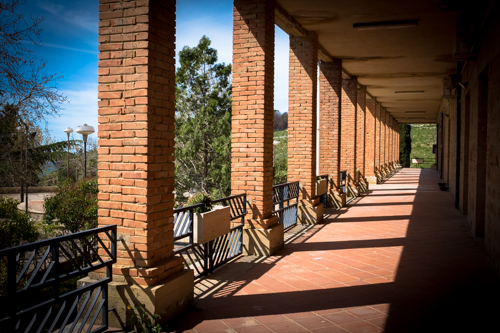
(85, 130)
(68, 131)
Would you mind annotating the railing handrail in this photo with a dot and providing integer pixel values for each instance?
(58, 239)
(229, 197)
(284, 184)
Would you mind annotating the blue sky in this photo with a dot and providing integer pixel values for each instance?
(70, 48)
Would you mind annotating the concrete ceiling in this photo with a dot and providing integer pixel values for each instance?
(384, 60)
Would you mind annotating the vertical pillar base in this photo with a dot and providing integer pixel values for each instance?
(168, 299)
(372, 180)
(263, 242)
(310, 212)
(337, 200)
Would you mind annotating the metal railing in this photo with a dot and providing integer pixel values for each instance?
(324, 197)
(343, 180)
(285, 202)
(204, 258)
(43, 266)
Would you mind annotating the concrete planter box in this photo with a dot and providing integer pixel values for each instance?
(321, 186)
(417, 160)
(210, 225)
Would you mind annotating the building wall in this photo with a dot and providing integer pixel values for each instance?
(482, 76)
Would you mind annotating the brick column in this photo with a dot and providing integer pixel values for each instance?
(383, 131)
(371, 133)
(136, 163)
(377, 139)
(360, 132)
(348, 119)
(302, 124)
(252, 122)
(330, 90)
(387, 140)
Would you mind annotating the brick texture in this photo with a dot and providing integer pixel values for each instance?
(330, 90)
(377, 136)
(360, 130)
(348, 119)
(136, 135)
(252, 108)
(383, 137)
(370, 138)
(302, 113)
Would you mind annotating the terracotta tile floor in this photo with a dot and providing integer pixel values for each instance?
(400, 259)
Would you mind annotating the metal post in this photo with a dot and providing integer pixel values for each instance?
(26, 174)
(67, 176)
(85, 157)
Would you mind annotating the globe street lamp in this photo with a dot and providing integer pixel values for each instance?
(85, 130)
(68, 131)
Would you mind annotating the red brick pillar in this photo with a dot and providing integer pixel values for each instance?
(348, 132)
(136, 163)
(360, 132)
(252, 122)
(378, 138)
(370, 171)
(302, 124)
(383, 131)
(330, 90)
(387, 139)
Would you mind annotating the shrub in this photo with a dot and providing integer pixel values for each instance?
(15, 229)
(15, 225)
(74, 206)
(200, 198)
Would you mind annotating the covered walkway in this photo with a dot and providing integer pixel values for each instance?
(400, 259)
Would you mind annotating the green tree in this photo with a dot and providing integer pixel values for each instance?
(24, 149)
(203, 122)
(405, 145)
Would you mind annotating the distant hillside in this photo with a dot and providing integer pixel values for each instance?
(423, 136)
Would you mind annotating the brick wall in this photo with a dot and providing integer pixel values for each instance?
(136, 135)
(330, 89)
(360, 130)
(370, 138)
(348, 119)
(302, 113)
(252, 108)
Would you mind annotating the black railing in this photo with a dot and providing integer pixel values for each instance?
(35, 275)
(343, 180)
(323, 198)
(285, 202)
(204, 258)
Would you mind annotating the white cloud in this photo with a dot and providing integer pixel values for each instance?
(64, 47)
(86, 19)
(81, 109)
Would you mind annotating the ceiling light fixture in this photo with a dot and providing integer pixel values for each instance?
(409, 92)
(385, 25)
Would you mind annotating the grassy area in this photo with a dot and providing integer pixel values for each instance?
(423, 136)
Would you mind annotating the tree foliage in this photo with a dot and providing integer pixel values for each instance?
(280, 120)
(203, 122)
(24, 149)
(405, 145)
(23, 81)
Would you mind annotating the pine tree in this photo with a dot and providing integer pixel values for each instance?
(203, 122)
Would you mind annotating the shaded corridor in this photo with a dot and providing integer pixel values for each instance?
(398, 260)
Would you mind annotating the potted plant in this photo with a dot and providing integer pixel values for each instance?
(321, 185)
(209, 222)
